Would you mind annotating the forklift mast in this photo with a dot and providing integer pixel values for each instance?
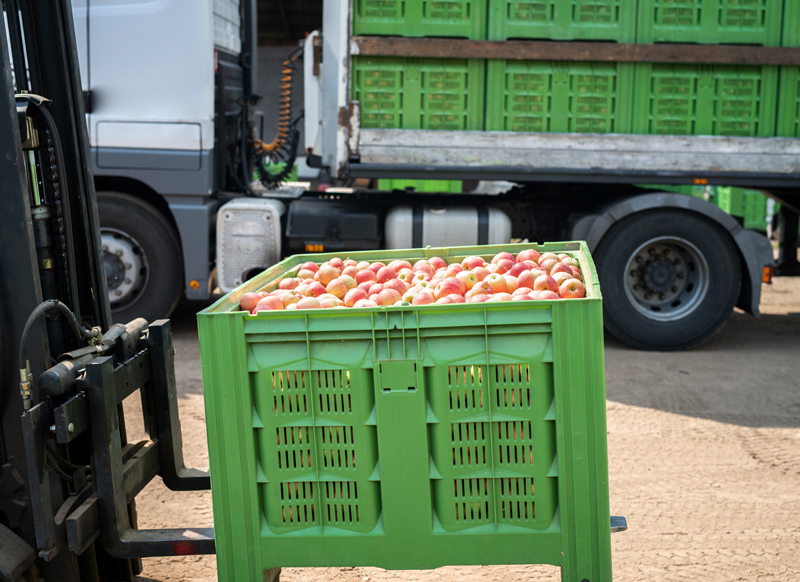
(68, 475)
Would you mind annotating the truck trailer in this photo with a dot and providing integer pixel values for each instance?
(571, 109)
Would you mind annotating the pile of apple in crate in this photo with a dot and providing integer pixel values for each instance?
(338, 283)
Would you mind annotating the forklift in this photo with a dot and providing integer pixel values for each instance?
(68, 474)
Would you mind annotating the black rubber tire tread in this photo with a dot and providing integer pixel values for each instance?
(161, 245)
(696, 327)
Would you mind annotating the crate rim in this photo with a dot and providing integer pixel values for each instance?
(227, 303)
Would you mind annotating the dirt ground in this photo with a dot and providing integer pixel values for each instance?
(704, 461)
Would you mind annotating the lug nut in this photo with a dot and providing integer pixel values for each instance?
(666, 252)
(127, 281)
(651, 252)
(128, 266)
(637, 287)
(638, 259)
(648, 295)
(674, 289)
(118, 253)
(118, 292)
(634, 273)
(676, 262)
(661, 296)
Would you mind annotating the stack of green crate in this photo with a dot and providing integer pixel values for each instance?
(789, 104)
(442, 186)
(408, 437)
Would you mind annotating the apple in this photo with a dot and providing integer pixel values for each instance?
(453, 270)
(423, 299)
(545, 295)
(499, 297)
(350, 263)
(308, 303)
(292, 306)
(517, 269)
(337, 287)
(457, 298)
(547, 255)
(560, 268)
(326, 274)
(511, 283)
(290, 299)
(289, 283)
(301, 289)
(408, 296)
(481, 273)
(473, 261)
(435, 281)
(350, 271)
(375, 267)
(504, 266)
(576, 272)
(315, 289)
(504, 255)
(440, 274)
(361, 265)
(448, 287)
(437, 262)
(423, 266)
(531, 264)
(479, 298)
(534, 294)
(562, 256)
(522, 291)
(365, 286)
(571, 261)
(397, 285)
(366, 275)
(528, 255)
(545, 283)
(467, 278)
(375, 289)
(329, 302)
(303, 274)
(353, 295)
(388, 297)
(385, 274)
(365, 303)
(399, 264)
(524, 297)
(547, 264)
(348, 281)
(310, 266)
(419, 277)
(405, 275)
(561, 276)
(336, 263)
(526, 279)
(572, 289)
(259, 308)
(248, 301)
(445, 300)
(497, 283)
(492, 267)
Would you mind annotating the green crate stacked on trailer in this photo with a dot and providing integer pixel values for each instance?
(705, 100)
(409, 93)
(445, 186)
(789, 108)
(546, 96)
(613, 20)
(408, 437)
(756, 22)
(449, 18)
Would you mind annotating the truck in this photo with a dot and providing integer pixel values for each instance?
(557, 115)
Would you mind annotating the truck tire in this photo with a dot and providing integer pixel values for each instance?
(669, 279)
(142, 256)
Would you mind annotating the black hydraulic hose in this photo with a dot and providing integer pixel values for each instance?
(79, 332)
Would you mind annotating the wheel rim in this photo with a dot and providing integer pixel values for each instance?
(666, 278)
(126, 267)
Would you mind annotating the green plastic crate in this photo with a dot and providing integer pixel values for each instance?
(448, 18)
(791, 30)
(547, 96)
(563, 19)
(444, 186)
(789, 103)
(705, 100)
(757, 22)
(408, 437)
(410, 93)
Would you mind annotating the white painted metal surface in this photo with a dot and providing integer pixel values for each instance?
(312, 96)
(441, 227)
(335, 84)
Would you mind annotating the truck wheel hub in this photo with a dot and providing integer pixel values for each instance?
(659, 274)
(125, 266)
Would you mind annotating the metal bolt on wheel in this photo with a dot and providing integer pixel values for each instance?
(127, 271)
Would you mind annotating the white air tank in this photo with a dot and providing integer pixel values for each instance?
(413, 227)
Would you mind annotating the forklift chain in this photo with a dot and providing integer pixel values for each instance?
(59, 218)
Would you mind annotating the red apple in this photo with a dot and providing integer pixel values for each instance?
(531, 264)
(350, 271)
(329, 302)
(545, 295)
(435, 281)
(576, 272)
(528, 255)
(259, 308)
(376, 266)
(499, 297)
(453, 270)
(399, 264)
(437, 262)
(522, 291)
(457, 298)
(308, 303)
(517, 269)
(405, 275)
(289, 283)
(562, 256)
(350, 263)
(409, 295)
(336, 263)
(572, 289)
(310, 266)
(385, 274)
(315, 289)
(526, 279)
(481, 273)
(467, 278)
(365, 286)
(397, 285)
(361, 265)
(302, 288)
(479, 298)
(303, 274)
(511, 283)
(388, 297)
(473, 261)
(375, 289)
(337, 287)
(419, 277)
(571, 261)
(504, 266)
(545, 283)
(524, 297)
(423, 266)
(248, 301)
(561, 276)
(326, 274)
(445, 300)
(365, 303)
(547, 255)
(423, 299)
(497, 283)
(560, 268)
(547, 264)
(352, 296)
(289, 299)
(366, 275)
(503, 255)
(448, 287)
